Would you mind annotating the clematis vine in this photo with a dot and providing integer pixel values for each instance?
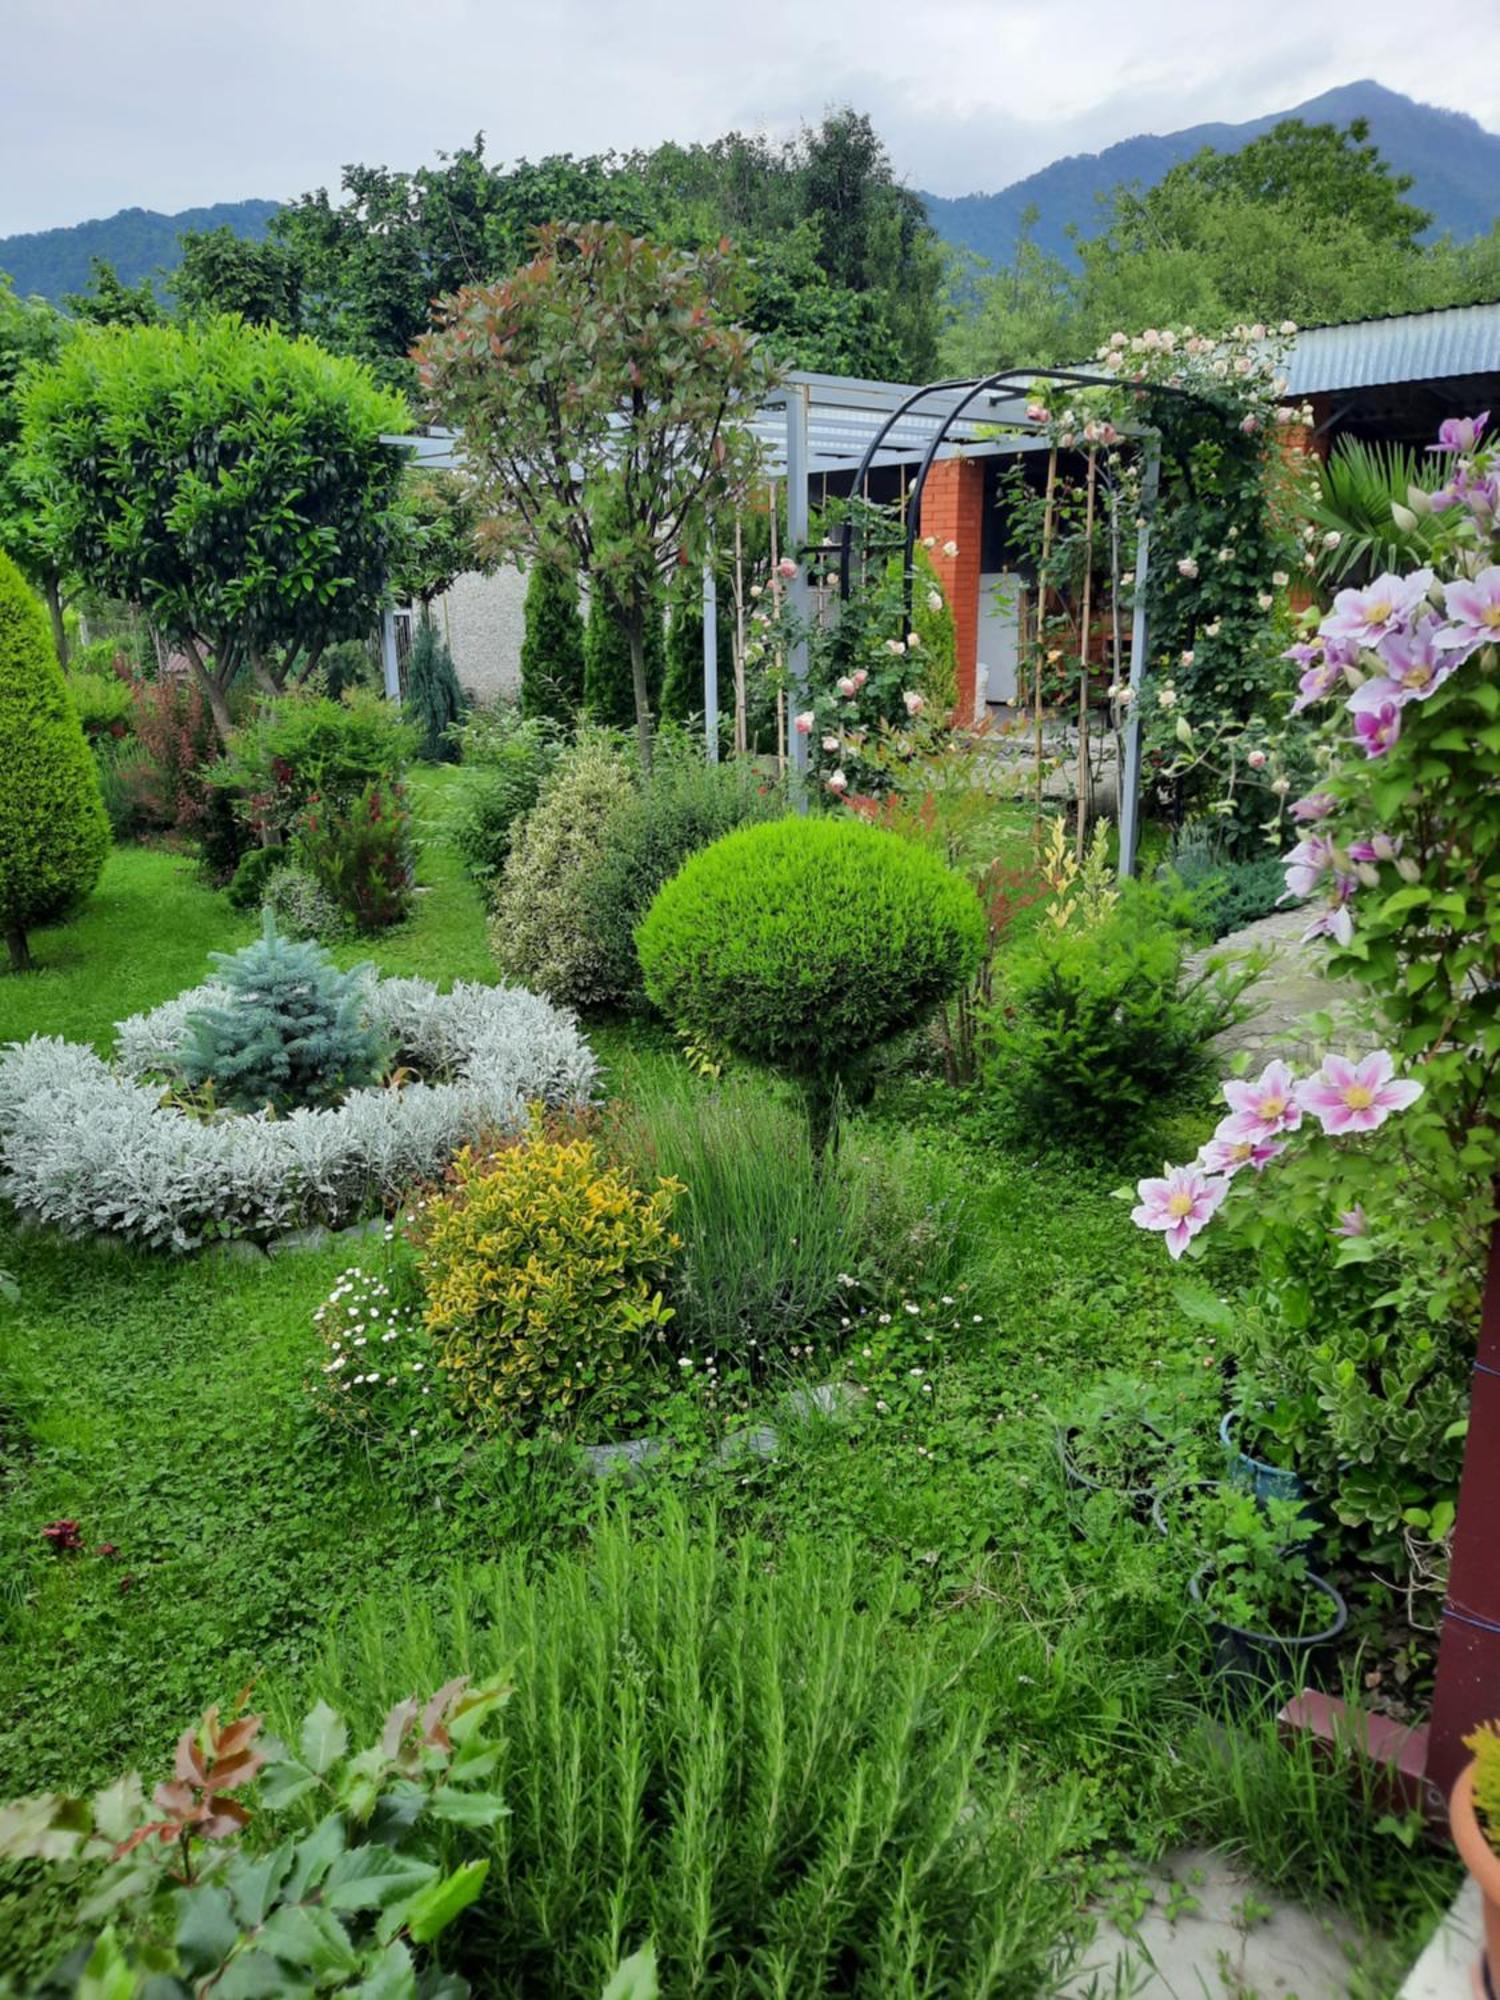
(1343, 1097)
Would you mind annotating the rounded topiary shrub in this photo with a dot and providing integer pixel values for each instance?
(805, 944)
(54, 833)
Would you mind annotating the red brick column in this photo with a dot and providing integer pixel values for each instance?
(953, 513)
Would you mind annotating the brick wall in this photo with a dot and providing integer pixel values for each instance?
(953, 512)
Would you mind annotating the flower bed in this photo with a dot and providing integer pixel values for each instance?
(93, 1147)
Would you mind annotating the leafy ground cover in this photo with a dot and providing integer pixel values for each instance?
(226, 1535)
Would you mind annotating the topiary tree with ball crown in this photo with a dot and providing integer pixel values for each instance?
(53, 831)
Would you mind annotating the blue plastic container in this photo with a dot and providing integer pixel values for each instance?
(1253, 1475)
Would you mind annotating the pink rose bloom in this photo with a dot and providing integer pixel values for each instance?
(837, 782)
(805, 722)
(787, 568)
(1256, 760)
(859, 677)
(1180, 1204)
(1263, 1108)
(830, 743)
(1038, 413)
(1349, 1096)
(845, 685)
(915, 703)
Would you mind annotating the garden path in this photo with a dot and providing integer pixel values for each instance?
(1210, 1932)
(1292, 986)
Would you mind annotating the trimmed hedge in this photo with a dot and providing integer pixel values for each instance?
(54, 834)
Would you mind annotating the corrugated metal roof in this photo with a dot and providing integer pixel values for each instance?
(1408, 347)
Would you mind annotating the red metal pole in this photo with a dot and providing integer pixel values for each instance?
(1468, 1669)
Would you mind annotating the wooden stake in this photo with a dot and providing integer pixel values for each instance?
(1083, 657)
(1039, 657)
(741, 733)
(781, 698)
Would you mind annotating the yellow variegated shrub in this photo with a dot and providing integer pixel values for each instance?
(544, 1269)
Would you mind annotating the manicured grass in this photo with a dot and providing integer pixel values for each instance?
(148, 929)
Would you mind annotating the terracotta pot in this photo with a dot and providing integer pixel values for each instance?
(1483, 1864)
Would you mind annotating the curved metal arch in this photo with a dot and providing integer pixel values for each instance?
(1004, 378)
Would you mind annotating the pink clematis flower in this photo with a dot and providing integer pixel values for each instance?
(1364, 617)
(1335, 920)
(1419, 661)
(1226, 1156)
(1306, 865)
(1263, 1108)
(1317, 805)
(1474, 612)
(1377, 726)
(1352, 1222)
(1460, 433)
(1317, 681)
(1347, 1096)
(1180, 1204)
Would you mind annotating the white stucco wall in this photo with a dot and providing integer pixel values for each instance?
(482, 620)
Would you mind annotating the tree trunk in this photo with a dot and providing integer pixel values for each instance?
(215, 695)
(20, 948)
(52, 590)
(635, 626)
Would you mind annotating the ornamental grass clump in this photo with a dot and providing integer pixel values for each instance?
(544, 1268)
(284, 1029)
(805, 945)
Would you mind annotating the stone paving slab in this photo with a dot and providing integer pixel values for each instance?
(1293, 985)
(1211, 1933)
(1445, 1971)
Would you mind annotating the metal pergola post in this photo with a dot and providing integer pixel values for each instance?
(390, 659)
(1130, 776)
(710, 661)
(798, 594)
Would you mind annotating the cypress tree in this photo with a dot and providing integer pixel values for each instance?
(682, 682)
(608, 689)
(53, 831)
(434, 699)
(552, 679)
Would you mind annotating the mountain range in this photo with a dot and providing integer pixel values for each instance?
(1455, 164)
(139, 242)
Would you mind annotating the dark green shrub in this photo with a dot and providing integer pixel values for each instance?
(53, 831)
(434, 701)
(506, 761)
(805, 944)
(300, 905)
(360, 853)
(103, 702)
(608, 689)
(552, 647)
(289, 1030)
(1227, 892)
(1093, 1029)
(685, 805)
(766, 1768)
(247, 886)
(682, 681)
(305, 746)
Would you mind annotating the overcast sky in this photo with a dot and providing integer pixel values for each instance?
(170, 104)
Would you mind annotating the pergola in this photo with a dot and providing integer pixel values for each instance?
(814, 426)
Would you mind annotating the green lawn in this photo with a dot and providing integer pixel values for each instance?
(162, 1405)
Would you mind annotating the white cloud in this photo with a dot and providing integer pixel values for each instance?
(172, 103)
